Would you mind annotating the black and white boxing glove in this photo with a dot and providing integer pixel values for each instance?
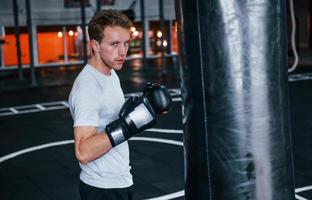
(158, 96)
(136, 115)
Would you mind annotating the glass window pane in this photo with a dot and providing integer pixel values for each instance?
(75, 3)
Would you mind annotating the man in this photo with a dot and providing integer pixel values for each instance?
(103, 121)
(95, 101)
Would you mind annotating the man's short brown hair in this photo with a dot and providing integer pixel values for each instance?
(104, 18)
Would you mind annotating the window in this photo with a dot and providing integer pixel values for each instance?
(75, 3)
(107, 2)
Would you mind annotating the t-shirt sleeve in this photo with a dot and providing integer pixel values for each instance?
(85, 107)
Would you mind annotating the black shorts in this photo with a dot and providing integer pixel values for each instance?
(88, 192)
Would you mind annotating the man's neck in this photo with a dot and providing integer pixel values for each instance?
(100, 66)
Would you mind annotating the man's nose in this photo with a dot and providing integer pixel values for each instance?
(122, 49)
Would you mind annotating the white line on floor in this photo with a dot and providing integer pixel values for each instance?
(164, 130)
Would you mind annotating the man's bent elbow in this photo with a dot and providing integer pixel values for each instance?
(83, 159)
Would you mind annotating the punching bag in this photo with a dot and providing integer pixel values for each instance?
(235, 107)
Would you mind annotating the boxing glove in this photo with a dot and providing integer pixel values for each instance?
(136, 115)
(158, 96)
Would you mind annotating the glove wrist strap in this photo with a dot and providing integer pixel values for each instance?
(115, 133)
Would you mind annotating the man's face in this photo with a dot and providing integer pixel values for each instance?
(114, 46)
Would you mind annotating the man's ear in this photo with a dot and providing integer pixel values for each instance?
(95, 46)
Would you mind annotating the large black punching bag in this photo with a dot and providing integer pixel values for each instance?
(237, 139)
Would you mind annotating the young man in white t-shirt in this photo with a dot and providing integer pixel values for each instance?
(95, 100)
(103, 120)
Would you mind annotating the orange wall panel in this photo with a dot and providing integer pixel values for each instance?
(50, 47)
(71, 45)
(174, 40)
(9, 49)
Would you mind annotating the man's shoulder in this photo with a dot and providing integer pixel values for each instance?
(85, 77)
(85, 73)
(85, 82)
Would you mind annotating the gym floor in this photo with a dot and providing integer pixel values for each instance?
(37, 154)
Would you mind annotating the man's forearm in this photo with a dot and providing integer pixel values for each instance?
(93, 147)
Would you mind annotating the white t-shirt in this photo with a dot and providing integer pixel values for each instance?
(95, 100)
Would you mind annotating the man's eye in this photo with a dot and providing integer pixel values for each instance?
(115, 44)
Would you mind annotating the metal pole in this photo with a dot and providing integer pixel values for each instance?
(30, 42)
(18, 42)
(161, 19)
(98, 5)
(83, 27)
(169, 47)
(145, 33)
(2, 34)
(65, 44)
(310, 25)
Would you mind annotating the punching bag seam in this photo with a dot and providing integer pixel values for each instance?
(204, 99)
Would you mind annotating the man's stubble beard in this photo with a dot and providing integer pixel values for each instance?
(109, 66)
